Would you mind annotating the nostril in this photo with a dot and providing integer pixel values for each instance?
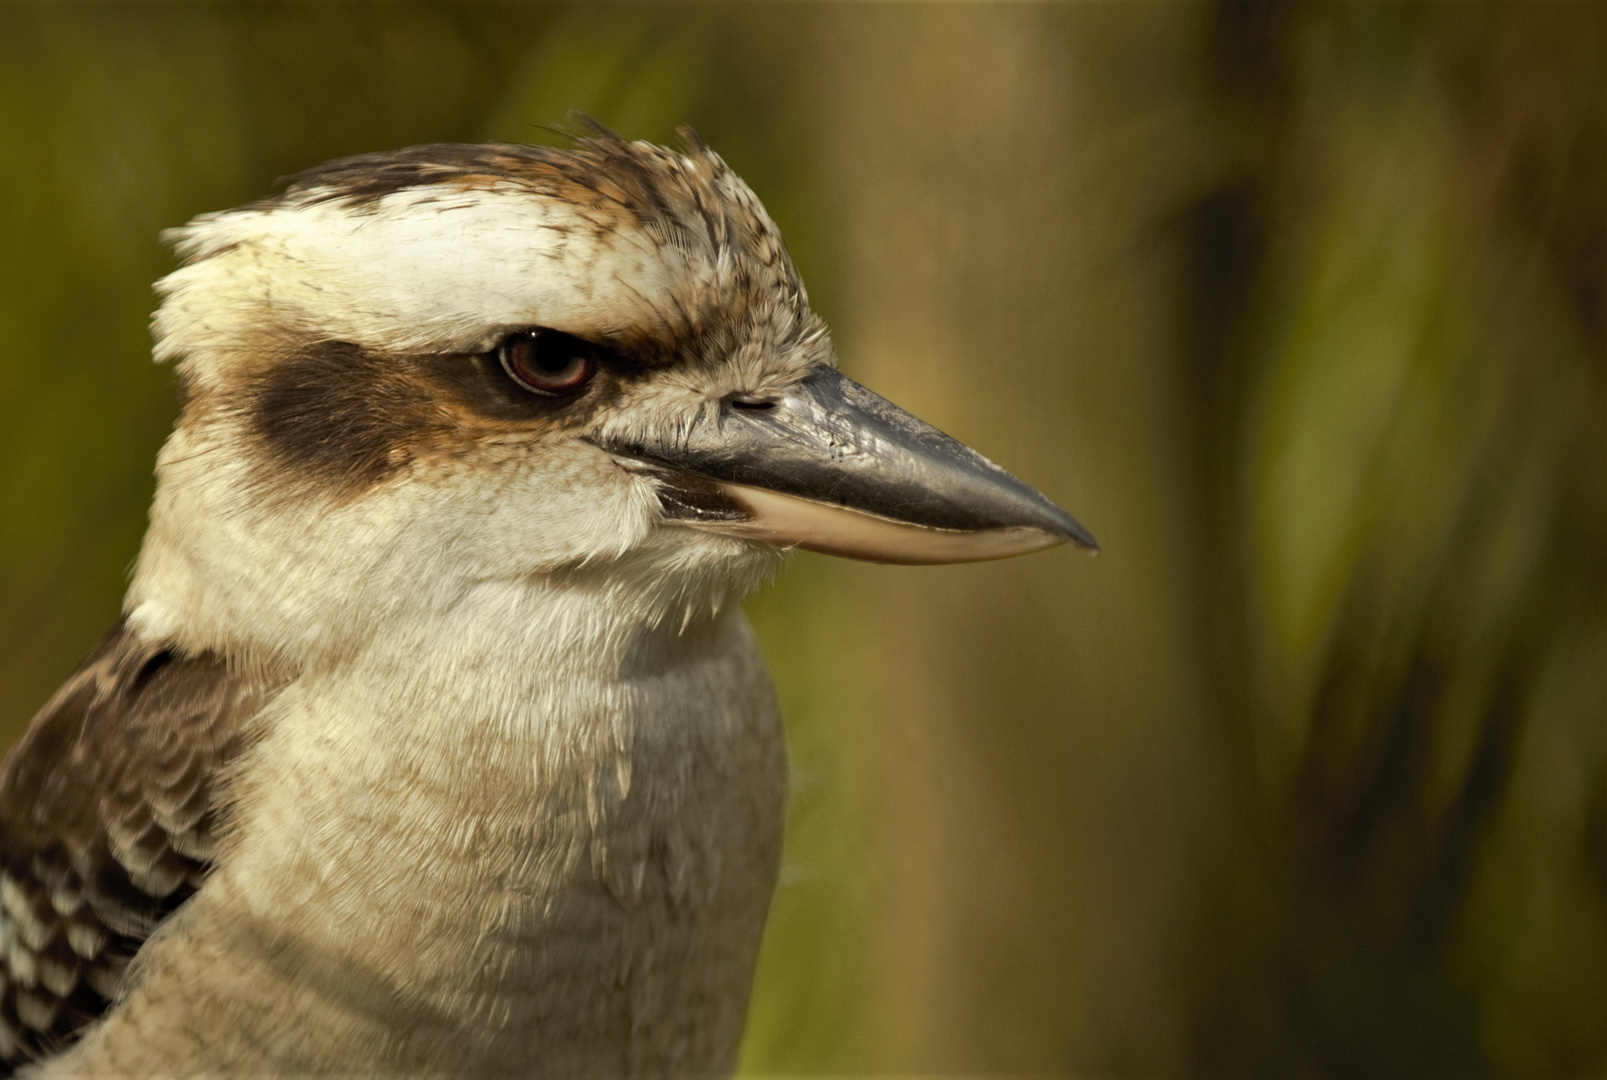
(753, 404)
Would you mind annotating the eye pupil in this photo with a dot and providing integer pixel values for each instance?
(548, 362)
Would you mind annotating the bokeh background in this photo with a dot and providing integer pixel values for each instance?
(1301, 307)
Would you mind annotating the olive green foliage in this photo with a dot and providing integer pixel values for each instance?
(1303, 309)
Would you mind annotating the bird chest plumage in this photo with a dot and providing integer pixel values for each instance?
(555, 873)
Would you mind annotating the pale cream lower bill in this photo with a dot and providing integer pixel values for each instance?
(789, 521)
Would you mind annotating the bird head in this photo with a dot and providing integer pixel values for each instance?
(415, 375)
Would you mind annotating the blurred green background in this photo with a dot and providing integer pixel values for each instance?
(1302, 308)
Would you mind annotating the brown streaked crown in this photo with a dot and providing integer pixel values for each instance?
(692, 202)
(674, 197)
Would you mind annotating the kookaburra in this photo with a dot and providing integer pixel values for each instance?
(432, 740)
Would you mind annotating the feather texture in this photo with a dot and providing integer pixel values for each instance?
(107, 820)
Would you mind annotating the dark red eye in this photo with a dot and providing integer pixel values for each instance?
(547, 361)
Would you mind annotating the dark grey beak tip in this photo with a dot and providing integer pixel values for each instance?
(1073, 533)
(1045, 516)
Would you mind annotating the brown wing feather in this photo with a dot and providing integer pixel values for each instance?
(106, 819)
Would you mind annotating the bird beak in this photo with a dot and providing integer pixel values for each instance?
(829, 466)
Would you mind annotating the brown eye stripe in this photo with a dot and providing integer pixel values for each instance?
(337, 415)
(334, 419)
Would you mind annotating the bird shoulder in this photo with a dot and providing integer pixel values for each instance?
(107, 824)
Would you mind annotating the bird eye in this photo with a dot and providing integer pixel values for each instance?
(547, 361)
